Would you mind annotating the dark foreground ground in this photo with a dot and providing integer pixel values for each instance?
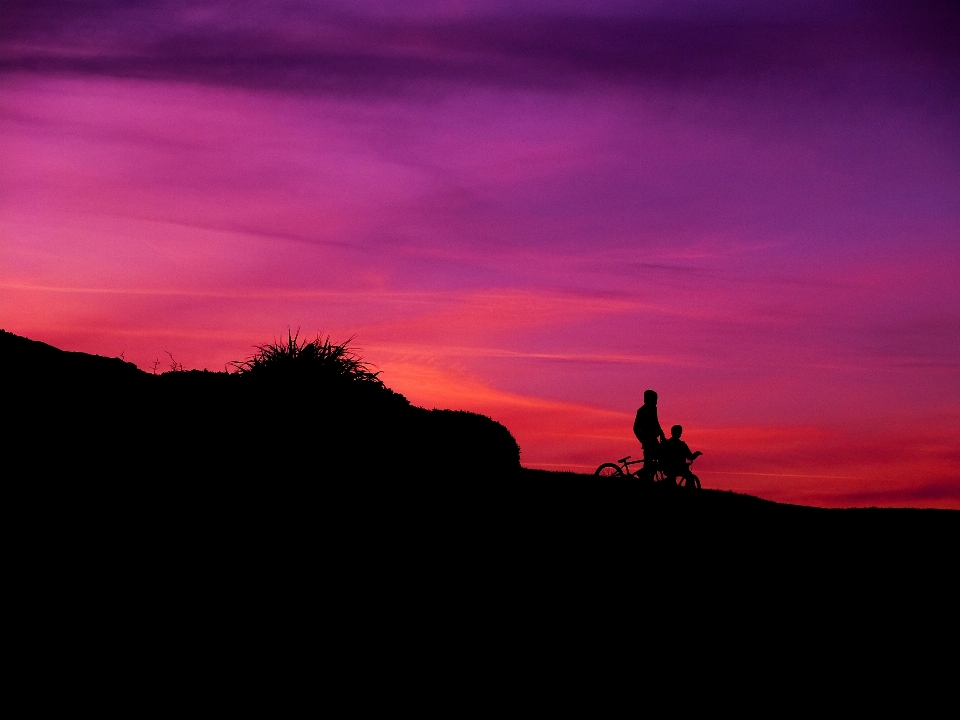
(523, 522)
(440, 592)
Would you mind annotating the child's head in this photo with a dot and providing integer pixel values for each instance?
(676, 431)
(649, 397)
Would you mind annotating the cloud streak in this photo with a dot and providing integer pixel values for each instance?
(309, 48)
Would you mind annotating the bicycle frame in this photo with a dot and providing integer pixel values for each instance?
(626, 462)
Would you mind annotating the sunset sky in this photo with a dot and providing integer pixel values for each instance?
(533, 210)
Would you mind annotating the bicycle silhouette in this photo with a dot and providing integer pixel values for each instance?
(651, 470)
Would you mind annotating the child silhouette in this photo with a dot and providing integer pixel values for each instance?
(674, 454)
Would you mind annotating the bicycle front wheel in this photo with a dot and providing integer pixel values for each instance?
(609, 470)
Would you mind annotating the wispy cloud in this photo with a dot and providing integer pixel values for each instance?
(306, 47)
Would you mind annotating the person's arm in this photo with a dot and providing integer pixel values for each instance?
(656, 420)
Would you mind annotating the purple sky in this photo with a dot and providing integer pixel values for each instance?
(532, 210)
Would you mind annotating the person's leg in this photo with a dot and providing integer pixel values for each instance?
(649, 460)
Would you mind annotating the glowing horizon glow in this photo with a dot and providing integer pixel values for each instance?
(754, 210)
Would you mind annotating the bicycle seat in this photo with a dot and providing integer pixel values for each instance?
(623, 460)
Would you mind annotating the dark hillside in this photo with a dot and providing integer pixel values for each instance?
(25, 360)
(205, 445)
(73, 413)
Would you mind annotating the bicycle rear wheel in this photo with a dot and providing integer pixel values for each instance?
(609, 470)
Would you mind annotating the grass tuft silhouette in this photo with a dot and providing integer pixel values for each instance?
(318, 359)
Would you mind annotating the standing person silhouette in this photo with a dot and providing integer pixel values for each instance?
(648, 431)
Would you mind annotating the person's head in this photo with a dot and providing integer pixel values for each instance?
(676, 431)
(649, 397)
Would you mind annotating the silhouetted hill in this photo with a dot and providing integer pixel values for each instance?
(22, 359)
(74, 415)
(203, 515)
(78, 413)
